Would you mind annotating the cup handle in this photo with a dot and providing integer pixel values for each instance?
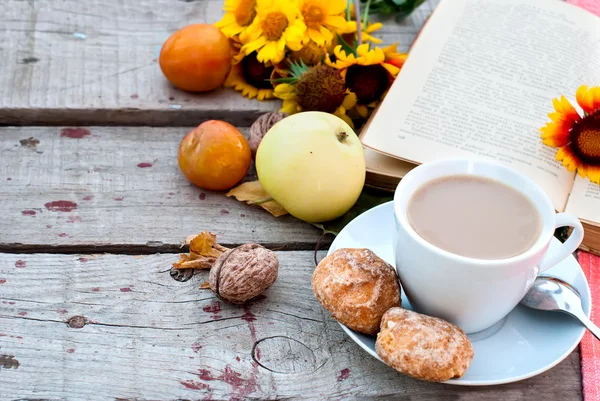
(569, 246)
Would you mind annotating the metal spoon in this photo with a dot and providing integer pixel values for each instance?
(552, 294)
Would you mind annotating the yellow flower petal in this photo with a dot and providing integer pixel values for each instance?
(316, 36)
(251, 47)
(335, 21)
(227, 19)
(335, 6)
(362, 110)
(285, 91)
(374, 27)
(289, 106)
(553, 135)
(588, 98)
(271, 51)
(294, 35)
(341, 113)
(236, 80)
(326, 34)
(392, 69)
(593, 173)
(349, 101)
(253, 32)
(563, 106)
(568, 159)
(368, 37)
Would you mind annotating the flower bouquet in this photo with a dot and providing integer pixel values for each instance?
(311, 54)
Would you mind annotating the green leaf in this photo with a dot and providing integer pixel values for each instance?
(283, 80)
(346, 47)
(368, 199)
(398, 8)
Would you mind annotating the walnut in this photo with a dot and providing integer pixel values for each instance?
(242, 273)
(261, 126)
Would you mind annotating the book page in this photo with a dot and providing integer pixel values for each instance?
(584, 201)
(384, 165)
(480, 80)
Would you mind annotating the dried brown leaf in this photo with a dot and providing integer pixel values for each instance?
(202, 244)
(253, 193)
(204, 263)
(204, 251)
(205, 285)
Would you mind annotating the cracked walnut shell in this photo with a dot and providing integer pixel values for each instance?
(356, 287)
(243, 273)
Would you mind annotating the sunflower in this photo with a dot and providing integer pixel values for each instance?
(367, 73)
(577, 137)
(278, 24)
(239, 14)
(251, 78)
(318, 88)
(322, 18)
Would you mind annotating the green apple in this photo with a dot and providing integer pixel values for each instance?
(312, 163)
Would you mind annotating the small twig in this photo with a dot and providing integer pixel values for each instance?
(358, 22)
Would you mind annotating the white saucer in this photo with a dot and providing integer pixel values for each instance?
(524, 344)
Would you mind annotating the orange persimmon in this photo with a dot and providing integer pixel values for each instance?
(214, 156)
(196, 58)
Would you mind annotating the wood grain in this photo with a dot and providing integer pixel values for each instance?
(143, 336)
(119, 190)
(94, 63)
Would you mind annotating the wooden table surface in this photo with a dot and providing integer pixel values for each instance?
(94, 213)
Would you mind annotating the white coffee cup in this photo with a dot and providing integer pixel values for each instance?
(473, 294)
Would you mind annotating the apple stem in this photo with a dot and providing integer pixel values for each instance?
(260, 201)
(342, 136)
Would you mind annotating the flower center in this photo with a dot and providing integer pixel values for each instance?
(311, 54)
(368, 82)
(274, 25)
(321, 88)
(313, 15)
(585, 139)
(245, 12)
(256, 73)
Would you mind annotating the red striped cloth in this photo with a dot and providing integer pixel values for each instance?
(590, 346)
(590, 5)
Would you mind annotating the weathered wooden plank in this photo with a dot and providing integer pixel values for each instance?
(94, 63)
(141, 335)
(118, 189)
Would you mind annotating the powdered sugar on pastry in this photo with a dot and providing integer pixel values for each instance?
(356, 287)
(422, 346)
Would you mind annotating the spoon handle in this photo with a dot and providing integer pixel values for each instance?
(590, 326)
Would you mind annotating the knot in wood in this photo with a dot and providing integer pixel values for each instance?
(281, 354)
(9, 362)
(76, 322)
(181, 275)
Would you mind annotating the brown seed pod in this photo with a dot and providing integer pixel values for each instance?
(243, 273)
(261, 126)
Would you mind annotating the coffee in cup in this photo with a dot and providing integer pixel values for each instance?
(471, 237)
(475, 217)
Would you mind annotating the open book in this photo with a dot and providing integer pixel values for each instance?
(479, 80)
